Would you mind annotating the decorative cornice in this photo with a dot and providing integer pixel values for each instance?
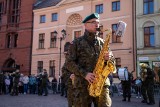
(147, 15)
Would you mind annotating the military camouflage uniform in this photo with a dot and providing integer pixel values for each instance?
(82, 60)
(45, 83)
(15, 87)
(68, 84)
(148, 87)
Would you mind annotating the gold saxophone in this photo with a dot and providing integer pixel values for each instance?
(102, 70)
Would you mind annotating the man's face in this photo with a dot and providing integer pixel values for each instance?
(92, 25)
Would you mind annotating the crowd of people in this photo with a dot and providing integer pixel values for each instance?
(17, 83)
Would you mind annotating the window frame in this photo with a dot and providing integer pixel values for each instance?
(99, 7)
(15, 40)
(51, 68)
(15, 11)
(9, 41)
(148, 11)
(115, 38)
(116, 4)
(147, 35)
(54, 17)
(39, 66)
(53, 40)
(118, 62)
(41, 19)
(1, 11)
(41, 41)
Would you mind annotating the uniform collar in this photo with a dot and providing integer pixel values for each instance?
(90, 36)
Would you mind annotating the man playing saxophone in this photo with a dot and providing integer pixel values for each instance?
(82, 61)
(147, 76)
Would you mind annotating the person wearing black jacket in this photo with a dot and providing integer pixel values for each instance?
(147, 76)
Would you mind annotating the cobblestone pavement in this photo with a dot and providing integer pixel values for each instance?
(59, 101)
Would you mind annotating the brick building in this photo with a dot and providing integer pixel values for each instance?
(16, 21)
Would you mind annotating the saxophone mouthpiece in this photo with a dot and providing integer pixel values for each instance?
(98, 29)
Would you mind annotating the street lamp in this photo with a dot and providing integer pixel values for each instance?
(63, 33)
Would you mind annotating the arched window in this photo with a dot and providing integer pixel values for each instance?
(149, 40)
(149, 34)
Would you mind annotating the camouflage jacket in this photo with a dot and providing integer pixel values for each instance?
(16, 77)
(83, 56)
(66, 76)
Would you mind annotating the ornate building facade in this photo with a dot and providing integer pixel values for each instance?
(148, 33)
(53, 16)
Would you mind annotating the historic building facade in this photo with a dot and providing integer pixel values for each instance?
(51, 17)
(148, 33)
(16, 35)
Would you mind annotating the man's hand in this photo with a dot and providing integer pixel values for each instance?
(72, 76)
(90, 77)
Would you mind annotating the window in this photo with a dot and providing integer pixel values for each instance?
(12, 40)
(15, 11)
(8, 41)
(52, 68)
(40, 67)
(42, 19)
(1, 11)
(149, 40)
(115, 39)
(54, 16)
(53, 40)
(99, 8)
(148, 6)
(118, 62)
(77, 34)
(15, 40)
(41, 41)
(116, 6)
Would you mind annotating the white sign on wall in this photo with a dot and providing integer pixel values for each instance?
(156, 64)
(74, 9)
(143, 58)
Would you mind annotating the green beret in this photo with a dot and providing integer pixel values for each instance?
(92, 16)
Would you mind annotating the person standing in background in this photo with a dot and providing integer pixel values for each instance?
(147, 76)
(25, 81)
(126, 86)
(54, 85)
(16, 76)
(45, 83)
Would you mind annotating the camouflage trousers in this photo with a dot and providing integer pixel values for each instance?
(148, 92)
(70, 96)
(14, 90)
(83, 99)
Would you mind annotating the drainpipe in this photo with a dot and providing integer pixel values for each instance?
(31, 41)
(134, 36)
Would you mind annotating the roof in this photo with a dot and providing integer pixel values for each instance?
(45, 3)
